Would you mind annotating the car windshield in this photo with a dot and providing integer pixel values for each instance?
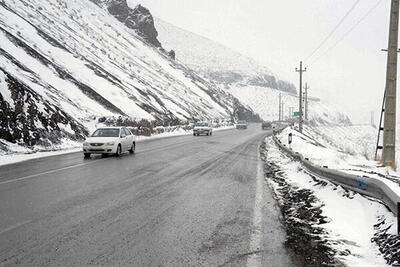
(202, 124)
(106, 132)
(241, 122)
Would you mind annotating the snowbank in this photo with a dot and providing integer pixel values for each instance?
(351, 218)
(347, 149)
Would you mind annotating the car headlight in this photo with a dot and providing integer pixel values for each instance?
(85, 143)
(110, 143)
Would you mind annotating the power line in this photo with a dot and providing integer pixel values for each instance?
(334, 29)
(348, 32)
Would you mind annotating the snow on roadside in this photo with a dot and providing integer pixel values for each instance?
(352, 217)
(20, 153)
(340, 148)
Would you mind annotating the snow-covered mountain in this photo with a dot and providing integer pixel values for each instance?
(217, 62)
(137, 18)
(64, 64)
(253, 84)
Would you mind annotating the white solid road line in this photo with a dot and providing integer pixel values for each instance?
(256, 235)
(14, 226)
(48, 172)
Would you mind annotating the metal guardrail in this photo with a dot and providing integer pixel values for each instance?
(369, 186)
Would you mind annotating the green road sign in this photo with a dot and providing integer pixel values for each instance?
(296, 114)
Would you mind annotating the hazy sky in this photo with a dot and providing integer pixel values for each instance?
(281, 33)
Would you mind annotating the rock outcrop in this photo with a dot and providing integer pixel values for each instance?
(139, 18)
(29, 120)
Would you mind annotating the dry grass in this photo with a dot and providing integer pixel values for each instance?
(392, 165)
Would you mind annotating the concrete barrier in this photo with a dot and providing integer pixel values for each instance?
(369, 186)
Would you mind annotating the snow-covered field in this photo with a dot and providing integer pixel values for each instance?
(351, 218)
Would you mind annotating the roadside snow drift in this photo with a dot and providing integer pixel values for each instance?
(348, 222)
(349, 149)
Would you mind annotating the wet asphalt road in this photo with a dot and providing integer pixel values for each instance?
(181, 201)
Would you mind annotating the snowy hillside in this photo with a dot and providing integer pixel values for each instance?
(241, 76)
(357, 141)
(64, 64)
(265, 102)
(217, 62)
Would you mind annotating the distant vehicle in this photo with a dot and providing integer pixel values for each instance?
(202, 127)
(241, 125)
(266, 125)
(228, 121)
(109, 140)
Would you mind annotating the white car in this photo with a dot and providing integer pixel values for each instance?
(109, 140)
(203, 127)
(241, 125)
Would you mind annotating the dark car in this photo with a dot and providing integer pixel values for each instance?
(266, 125)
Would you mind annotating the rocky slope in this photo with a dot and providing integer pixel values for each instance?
(139, 18)
(27, 117)
(67, 63)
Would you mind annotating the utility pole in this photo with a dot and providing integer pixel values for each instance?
(389, 128)
(306, 87)
(300, 71)
(283, 114)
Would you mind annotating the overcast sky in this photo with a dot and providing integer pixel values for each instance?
(281, 33)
